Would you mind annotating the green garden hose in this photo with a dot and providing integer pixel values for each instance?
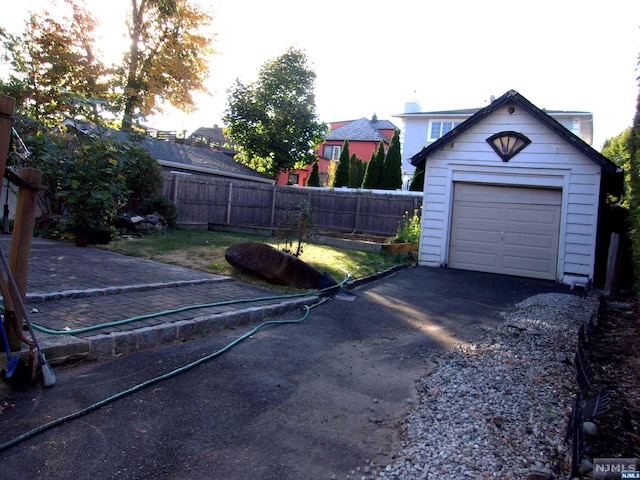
(173, 373)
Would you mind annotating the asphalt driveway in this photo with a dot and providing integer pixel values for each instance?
(309, 400)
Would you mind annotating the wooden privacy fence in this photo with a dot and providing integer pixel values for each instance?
(201, 201)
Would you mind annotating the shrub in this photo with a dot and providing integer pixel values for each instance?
(408, 228)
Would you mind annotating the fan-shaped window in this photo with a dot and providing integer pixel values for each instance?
(508, 144)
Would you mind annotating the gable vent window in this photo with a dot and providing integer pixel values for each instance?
(508, 144)
(439, 128)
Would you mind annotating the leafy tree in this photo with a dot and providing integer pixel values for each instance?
(616, 149)
(54, 69)
(417, 180)
(273, 119)
(634, 193)
(368, 171)
(356, 171)
(392, 168)
(314, 177)
(342, 173)
(373, 174)
(57, 73)
(168, 57)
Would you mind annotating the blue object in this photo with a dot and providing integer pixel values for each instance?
(12, 360)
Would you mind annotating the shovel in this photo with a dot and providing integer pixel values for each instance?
(47, 372)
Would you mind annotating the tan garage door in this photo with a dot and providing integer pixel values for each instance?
(506, 230)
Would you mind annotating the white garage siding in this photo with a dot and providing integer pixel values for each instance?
(548, 162)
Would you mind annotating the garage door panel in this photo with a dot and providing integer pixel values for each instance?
(468, 259)
(478, 236)
(508, 195)
(509, 230)
(484, 212)
(544, 215)
(522, 240)
(525, 268)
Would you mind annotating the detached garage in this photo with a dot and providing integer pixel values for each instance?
(511, 191)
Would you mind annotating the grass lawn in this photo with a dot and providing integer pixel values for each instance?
(204, 250)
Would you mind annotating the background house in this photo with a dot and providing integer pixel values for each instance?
(178, 157)
(421, 129)
(534, 214)
(364, 136)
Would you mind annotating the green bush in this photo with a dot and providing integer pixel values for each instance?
(142, 176)
(165, 207)
(408, 228)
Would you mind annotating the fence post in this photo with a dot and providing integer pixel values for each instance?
(176, 182)
(356, 223)
(613, 265)
(229, 203)
(22, 236)
(273, 206)
(7, 107)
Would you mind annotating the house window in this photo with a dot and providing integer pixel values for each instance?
(293, 179)
(438, 128)
(332, 152)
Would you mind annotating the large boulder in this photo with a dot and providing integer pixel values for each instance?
(276, 266)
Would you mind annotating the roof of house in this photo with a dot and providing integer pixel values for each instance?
(205, 160)
(214, 134)
(183, 157)
(609, 168)
(466, 112)
(362, 130)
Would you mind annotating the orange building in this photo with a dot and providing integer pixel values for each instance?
(363, 134)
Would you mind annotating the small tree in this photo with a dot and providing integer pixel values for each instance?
(314, 177)
(342, 174)
(299, 224)
(417, 180)
(373, 174)
(356, 171)
(392, 168)
(329, 178)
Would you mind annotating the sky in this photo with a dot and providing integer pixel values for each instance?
(373, 56)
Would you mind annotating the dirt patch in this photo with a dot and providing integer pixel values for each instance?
(614, 356)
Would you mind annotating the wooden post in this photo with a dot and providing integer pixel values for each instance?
(356, 220)
(273, 206)
(176, 183)
(23, 235)
(229, 203)
(613, 265)
(7, 107)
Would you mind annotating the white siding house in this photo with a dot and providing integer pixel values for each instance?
(534, 214)
(420, 129)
